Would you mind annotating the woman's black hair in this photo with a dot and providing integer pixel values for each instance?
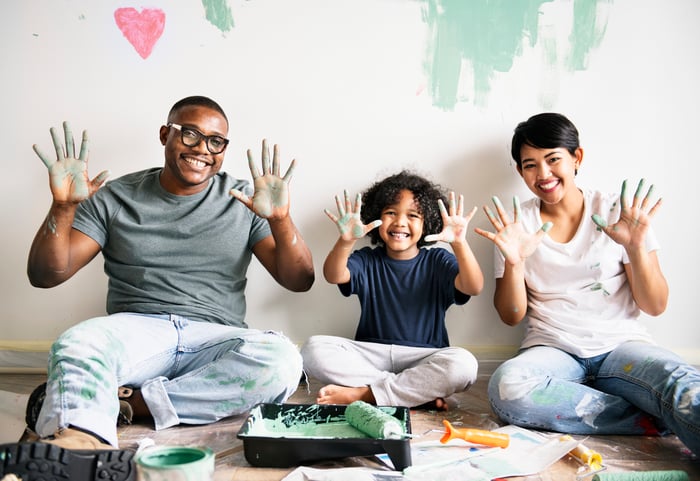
(544, 131)
(386, 192)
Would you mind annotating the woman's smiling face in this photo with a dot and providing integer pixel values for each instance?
(549, 173)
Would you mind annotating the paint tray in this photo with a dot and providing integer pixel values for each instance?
(286, 435)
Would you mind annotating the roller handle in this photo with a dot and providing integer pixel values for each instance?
(476, 436)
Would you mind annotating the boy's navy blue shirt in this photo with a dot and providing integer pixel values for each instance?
(403, 301)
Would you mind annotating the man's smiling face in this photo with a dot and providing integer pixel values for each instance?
(187, 170)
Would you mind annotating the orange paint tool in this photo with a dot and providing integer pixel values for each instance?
(476, 436)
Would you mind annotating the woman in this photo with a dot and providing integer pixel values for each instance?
(586, 365)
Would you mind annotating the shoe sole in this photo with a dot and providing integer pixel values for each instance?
(47, 462)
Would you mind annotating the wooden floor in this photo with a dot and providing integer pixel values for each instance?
(620, 453)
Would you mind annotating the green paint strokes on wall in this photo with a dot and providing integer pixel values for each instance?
(486, 36)
(219, 14)
(588, 32)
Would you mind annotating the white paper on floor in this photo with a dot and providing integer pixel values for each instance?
(12, 408)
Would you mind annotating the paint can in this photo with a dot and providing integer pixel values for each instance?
(175, 463)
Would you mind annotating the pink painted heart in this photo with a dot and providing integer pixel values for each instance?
(142, 29)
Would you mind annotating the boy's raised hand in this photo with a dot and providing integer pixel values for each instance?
(68, 176)
(348, 219)
(270, 191)
(514, 243)
(454, 221)
(631, 228)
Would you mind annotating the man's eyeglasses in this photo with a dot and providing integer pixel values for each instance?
(192, 137)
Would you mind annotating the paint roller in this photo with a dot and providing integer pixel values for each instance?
(476, 436)
(372, 421)
(673, 475)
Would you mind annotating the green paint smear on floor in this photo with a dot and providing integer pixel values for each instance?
(489, 35)
(218, 14)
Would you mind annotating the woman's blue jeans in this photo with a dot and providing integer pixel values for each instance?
(189, 372)
(614, 393)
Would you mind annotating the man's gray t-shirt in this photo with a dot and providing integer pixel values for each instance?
(170, 254)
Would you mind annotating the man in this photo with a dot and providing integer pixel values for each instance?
(176, 243)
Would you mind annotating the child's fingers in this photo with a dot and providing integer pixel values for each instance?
(330, 215)
(471, 213)
(443, 210)
(358, 204)
(339, 205)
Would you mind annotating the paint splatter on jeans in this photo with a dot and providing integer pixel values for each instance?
(188, 371)
(633, 389)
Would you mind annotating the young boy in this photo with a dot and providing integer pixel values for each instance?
(400, 355)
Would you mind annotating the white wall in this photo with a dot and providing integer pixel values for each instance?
(344, 87)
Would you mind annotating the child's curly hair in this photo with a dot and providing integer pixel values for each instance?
(386, 192)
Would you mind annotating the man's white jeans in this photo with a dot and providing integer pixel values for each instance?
(188, 372)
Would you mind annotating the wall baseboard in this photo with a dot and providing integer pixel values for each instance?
(500, 353)
(32, 356)
(24, 357)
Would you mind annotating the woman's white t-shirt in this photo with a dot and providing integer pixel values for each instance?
(579, 299)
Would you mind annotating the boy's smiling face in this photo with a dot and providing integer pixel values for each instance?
(402, 227)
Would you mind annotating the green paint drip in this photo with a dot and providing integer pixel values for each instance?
(218, 14)
(588, 33)
(487, 35)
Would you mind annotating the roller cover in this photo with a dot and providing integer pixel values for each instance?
(674, 475)
(373, 421)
